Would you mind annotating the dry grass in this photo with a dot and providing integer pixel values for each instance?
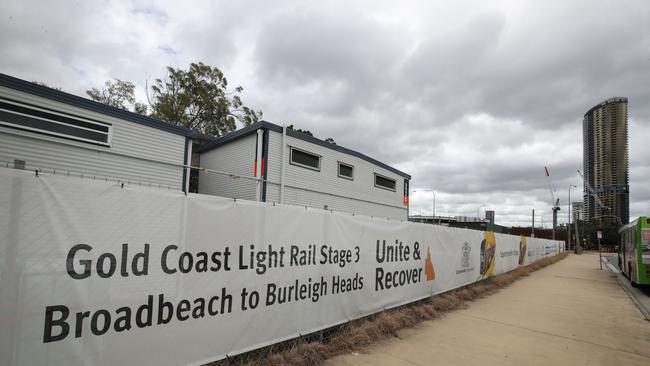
(362, 332)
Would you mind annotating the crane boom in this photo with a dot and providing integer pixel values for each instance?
(555, 201)
(591, 190)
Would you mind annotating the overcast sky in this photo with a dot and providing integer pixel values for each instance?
(472, 98)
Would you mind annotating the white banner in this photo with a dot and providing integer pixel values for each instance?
(95, 274)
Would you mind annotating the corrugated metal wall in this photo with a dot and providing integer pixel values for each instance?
(319, 188)
(303, 187)
(137, 153)
(236, 158)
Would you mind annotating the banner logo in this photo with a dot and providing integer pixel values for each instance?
(465, 259)
(488, 250)
(428, 266)
(522, 250)
(467, 251)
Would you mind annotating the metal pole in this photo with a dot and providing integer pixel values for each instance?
(575, 246)
(478, 212)
(282, 168)
(532, 232)
(433, 203)
(600, 254)
(433, 207)
(570, 213)
(554, 221)
(258, 165)
(569, 222)
(188, 171)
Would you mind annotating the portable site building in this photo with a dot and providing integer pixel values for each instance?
(47, 129)
(299, 169)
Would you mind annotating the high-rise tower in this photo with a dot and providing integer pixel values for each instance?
(604, 133)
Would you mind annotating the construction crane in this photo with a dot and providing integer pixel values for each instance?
(592, 192)
(554, 199)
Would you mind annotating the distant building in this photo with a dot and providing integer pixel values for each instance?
(541, 233)
(489, 216)
(606, 160)
(465, 222)
(447, 220)
(578, 208)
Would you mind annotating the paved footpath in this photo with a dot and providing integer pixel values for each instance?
(570, 313)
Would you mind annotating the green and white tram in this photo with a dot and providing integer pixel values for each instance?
(634, 251)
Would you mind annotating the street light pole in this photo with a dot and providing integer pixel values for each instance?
(569, 213)
(433, 204)
(478, 212)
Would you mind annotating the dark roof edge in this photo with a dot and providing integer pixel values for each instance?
(299, 135)
(80, 102)
(606, 102)
(238, 134)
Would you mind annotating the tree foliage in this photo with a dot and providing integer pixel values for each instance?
(46, 85)
(118, 93)
(199, 99)
(588, 234)
(306, 132)
(309, 133)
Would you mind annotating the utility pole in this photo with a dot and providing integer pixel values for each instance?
(532, 232)
(570, 209)
(555, 209)
(575, 246)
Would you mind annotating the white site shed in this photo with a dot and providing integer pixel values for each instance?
(49, 130)
(299, 169)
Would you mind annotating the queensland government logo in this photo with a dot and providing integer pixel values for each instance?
(465, 259)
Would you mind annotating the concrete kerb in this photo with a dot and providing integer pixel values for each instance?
(633, 293)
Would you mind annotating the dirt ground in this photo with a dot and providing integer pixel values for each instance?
(570, 313)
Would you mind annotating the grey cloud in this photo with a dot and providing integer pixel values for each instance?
(167, 49)
(340, 61)
(151, 10)
(449, 58)
(472, 99)
(307, 47)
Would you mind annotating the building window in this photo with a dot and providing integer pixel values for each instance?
(40, 120)
(305, 159)
(384, 182)
(346, 171)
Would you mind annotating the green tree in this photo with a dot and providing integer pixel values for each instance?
(306, 132)
(45, 85)
(309, 133)
(199, 99)
(118, 93)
